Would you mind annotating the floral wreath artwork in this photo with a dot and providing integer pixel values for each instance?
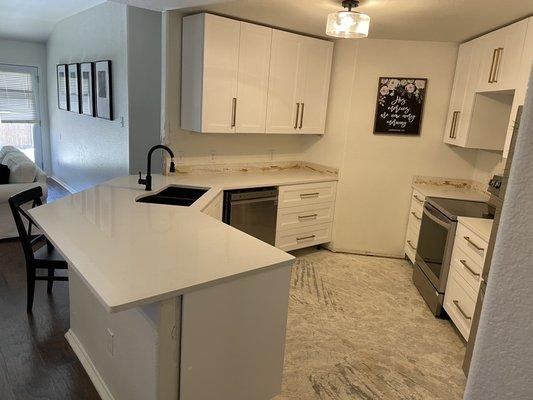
(400, 103)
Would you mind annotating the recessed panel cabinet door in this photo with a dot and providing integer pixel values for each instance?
(315, 85)
(221, 63)
(283, 90)
(252, 87)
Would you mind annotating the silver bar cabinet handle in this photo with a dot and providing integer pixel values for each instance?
(491, 73)
(233, 111)
(305, 238)
(307, 195)
(307, 216)
(467, 238)
(297, 115)
(456, 302)
(416, 216)
(418, 198)
(499, 53)
(302, 116)
(411, 245)
(468, 268)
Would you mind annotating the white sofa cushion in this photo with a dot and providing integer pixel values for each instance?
(5, 150)
(21, 168)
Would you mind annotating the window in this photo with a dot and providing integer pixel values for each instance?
(19, 109)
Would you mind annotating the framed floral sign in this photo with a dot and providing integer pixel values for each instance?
(400, 105)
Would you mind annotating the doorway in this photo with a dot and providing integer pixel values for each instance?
(20, 116)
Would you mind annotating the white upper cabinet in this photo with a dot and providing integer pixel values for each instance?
(252, 85)
(300, 71)
(239, 77)
(286, 69)
(487, 85)
(502, 52)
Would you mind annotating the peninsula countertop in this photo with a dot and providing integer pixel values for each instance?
(131, 254)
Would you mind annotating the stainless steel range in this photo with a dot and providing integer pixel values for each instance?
(435, 244)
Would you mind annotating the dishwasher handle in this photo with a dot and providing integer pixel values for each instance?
(255, 200)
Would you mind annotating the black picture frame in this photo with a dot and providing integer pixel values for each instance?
(74, 87)
(103, 78)
(62, 87)
(87, 103)
(400, 105)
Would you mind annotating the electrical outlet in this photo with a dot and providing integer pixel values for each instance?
(212, 154)
(110, 342)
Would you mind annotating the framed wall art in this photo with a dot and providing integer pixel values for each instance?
(62, 87)
(87, 88)
(104, 94)
(400, 105)
(74, 88)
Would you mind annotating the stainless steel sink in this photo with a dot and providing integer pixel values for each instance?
(175, 196)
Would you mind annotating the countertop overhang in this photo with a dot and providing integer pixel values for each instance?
(132, 254)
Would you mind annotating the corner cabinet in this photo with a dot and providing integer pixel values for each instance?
(239, 77)
(488, 82)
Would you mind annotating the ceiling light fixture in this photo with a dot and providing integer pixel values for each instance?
(348, 24)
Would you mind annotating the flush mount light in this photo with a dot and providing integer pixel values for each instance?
(348, 24)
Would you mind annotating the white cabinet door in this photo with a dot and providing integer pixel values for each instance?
(221, 62)
(460, 83)
(501, 59)
(252, 86)
(283, 89)
(315, 85)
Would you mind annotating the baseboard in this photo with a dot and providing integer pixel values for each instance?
(88, 365)
(335, 249)
(62, 183)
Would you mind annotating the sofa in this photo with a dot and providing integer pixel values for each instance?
(23, 175)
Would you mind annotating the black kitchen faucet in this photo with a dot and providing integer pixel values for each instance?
(148, 180)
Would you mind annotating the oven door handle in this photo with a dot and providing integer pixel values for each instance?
(435, 219)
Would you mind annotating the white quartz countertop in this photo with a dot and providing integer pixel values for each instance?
(481, 226)
(130, 254)
(450, 191)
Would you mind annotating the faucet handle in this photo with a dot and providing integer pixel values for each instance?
(140, 181)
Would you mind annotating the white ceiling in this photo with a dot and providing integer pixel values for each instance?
(437, 20)
(34, 20)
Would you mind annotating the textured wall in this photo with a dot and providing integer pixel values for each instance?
(86, 150)
(376, 170)
(32, 55)
(502, 366)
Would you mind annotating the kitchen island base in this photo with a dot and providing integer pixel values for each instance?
(222, 341)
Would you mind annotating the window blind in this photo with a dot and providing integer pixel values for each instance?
(17, 98)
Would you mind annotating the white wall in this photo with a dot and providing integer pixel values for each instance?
(502, 366)
(195, 148)
(87, 150)
(33, 55)
(376, 170)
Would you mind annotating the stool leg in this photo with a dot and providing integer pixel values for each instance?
(50, 283)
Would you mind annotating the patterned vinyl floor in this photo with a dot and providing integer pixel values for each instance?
(358, 329)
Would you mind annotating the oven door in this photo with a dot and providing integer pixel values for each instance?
(435, 245)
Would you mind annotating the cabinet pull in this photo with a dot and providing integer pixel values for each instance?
(453, 124)
(418, 199)
(491, 73)
(453, 129)
(308, 195)
(416, 216)
(305, 238)
(456, 302)
(469, 269)
(499, 54)
(233, 111)
(302, 116)
(297, 115)
(313, 216)
(467, 238)
(411, 245)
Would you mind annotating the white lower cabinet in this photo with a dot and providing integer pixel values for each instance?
(464, 278)
(305, 215)
(413, 226)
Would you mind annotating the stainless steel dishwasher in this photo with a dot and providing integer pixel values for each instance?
(253, 211)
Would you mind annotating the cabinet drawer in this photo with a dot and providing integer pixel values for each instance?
(473, 245)
(415, 216)
(309, 193)
(303, 237)
(459, 303)
(411, 241)
(312, 214)
(469, 270)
